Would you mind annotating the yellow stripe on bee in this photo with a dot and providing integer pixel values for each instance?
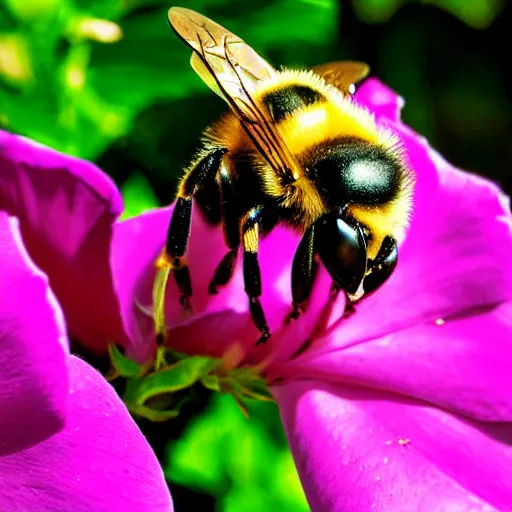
(287, 77)
(322, 122)
(251, 239)
(389, 219)
(337, 116)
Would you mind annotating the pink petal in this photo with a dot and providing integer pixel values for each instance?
(136, 244)
(379, 99)
(66, 209)
(220, 323)
(33, 348)
(358, 450)
(100, 462)
(461, 365)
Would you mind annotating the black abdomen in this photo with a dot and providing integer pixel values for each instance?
(352, 170)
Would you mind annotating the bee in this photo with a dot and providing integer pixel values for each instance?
(294, 149)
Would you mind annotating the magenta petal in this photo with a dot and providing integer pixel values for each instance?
(358, 449)
(221, 323)
(66, 208)
(100, 462)
(379, 99)
(136, 244)
(33, 348)
(461, 365)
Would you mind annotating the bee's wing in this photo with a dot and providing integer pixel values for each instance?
(233, 70)
(343, 74)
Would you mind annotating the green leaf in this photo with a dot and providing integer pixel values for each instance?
(180, 375)
(198, 458)
(138, 196)
(237, 460)
(475, 13)
(247, 383)
(211, 382)
(124, 366)
(32, 10)
(376, 11)
(154, 415)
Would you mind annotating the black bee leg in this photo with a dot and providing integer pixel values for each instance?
(382, 266)
(304, 270)
(179, 228)
(378, 272)
(252, 274)
(231, 225)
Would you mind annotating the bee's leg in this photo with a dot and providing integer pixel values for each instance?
(179, 227)
(252, 274)
(304, 270)
(380, 269)
(231, 226)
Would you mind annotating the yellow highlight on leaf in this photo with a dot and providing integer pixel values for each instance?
(75, 77)
(15, 62)
(96, 29)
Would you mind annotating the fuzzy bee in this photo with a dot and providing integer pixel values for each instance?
(294, 149)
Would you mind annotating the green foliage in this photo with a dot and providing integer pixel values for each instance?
(158, 389)
(244, 462)
(138, 196)
(182, 374)
(475, 13)
(76, 73)
(122, 366)
(159, 395)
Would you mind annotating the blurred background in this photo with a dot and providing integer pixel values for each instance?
(108, 81)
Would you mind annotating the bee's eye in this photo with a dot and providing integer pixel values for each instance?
(339, 241)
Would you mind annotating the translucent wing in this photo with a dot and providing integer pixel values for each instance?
(233, 70)
(343, 74)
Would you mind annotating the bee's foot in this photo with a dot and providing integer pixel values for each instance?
(265, 336)
(295, 313)
(212, 289)
(185, 303)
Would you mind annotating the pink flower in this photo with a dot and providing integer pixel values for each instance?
(406, 404)
(67, 441)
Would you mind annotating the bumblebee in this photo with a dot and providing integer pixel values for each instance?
(294, 149)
